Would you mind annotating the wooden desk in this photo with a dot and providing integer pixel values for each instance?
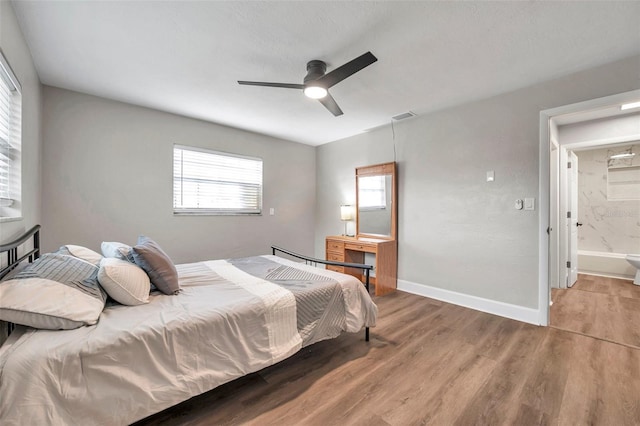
(350, 249)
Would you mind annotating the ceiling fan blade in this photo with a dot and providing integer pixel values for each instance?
(282, 85)
(330, 104)
(348, 69)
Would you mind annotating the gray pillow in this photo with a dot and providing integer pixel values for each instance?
(148, 255)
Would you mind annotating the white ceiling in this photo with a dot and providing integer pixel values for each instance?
(186, 57)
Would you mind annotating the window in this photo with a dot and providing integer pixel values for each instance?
(623, 175)
(623, 183)
(209, 182)
(10, 141)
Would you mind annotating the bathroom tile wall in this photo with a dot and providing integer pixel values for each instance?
(608, 226)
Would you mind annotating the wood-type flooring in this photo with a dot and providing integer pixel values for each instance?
(433, 363)
(605, 308)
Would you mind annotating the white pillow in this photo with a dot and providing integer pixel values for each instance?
(117, 250)
(125, 282)
(81, 253)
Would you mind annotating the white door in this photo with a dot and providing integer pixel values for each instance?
(572, 220)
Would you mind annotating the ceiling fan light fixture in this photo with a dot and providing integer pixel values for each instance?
(315, 92)
(317, 82)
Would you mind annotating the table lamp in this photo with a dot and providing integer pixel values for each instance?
(346, 215)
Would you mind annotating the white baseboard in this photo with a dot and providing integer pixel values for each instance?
(607, 275)
(502, 309)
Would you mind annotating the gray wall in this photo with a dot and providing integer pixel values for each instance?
(457, 231)
(14, 48)
(107, 175)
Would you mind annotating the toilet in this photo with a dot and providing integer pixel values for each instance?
(634, 260)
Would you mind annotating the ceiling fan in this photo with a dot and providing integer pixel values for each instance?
(316, 83)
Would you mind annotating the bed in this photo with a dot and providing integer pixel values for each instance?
(230, 318)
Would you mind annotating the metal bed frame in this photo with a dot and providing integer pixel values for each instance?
(14, 258)
(366, 269)
(11, 248)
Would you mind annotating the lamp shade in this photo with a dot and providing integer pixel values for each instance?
(346, 212)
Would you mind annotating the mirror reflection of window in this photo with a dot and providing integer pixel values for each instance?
(372, 194)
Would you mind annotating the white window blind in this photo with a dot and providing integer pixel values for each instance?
(10, 139)
(210, 182)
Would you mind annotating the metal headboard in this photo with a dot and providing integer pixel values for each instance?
(11, 249)
(14, 258)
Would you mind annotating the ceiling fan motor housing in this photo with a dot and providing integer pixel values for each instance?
(315, 70)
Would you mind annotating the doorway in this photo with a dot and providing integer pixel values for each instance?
(600, 301)
(557, 268)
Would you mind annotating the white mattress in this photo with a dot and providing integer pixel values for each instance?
(139, 360)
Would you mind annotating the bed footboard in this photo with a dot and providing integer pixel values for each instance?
(366, 269)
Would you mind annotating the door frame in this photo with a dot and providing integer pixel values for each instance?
(571, 204)
(546, 232)
(563, 244)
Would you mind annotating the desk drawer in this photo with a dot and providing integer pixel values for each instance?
(335, 268)
(333, 245)
(335, 257)
(360, 247)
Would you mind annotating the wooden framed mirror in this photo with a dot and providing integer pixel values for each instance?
(376, 201)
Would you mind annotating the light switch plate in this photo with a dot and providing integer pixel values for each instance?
(491, 176)
(529, 203)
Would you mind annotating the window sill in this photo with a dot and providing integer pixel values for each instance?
(212, 213)
(11, 219)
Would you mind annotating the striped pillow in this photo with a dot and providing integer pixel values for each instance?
(124, 281)
(55, 292)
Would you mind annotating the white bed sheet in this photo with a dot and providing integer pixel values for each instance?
(140, 360)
